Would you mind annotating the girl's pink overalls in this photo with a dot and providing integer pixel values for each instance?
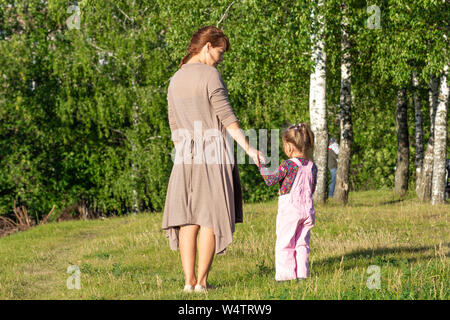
(294, 221)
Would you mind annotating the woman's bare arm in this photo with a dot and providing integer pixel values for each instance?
(236, 132)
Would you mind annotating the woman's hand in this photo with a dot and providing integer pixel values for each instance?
(236, 132)
(257, 156)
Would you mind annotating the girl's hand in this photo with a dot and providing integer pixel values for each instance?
(257, 156)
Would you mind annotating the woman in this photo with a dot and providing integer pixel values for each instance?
(202, 196)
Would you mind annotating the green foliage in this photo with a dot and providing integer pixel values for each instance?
(83, 113)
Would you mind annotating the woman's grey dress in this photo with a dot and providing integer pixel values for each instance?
(204, 186)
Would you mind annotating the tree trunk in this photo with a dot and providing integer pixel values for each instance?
(317, 103)
(134, 152)
(342, 177)
(440, 142)
(419, 125)
(402, 167)
(423, 188)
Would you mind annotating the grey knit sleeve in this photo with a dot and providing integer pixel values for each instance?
(218, 97)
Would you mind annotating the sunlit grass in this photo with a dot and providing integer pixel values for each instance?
(129, 257)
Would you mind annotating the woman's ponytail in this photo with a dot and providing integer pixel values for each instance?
(185, 59)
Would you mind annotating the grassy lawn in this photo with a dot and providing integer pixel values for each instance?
(129, 257)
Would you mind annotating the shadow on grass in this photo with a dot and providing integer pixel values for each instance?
(372, 199)
(357, 203)
(379, 256)
(392, 201)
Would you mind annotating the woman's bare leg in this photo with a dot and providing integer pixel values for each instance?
(206, 249)
(188, 248)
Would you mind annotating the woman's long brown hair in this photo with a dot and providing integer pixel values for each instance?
(203, 35)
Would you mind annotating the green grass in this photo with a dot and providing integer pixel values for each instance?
(129, 257)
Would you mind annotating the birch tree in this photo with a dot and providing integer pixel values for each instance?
(423, 187)
(418, 124)
(402, 167)
(440, 142)
(342, 178)
(317, 100)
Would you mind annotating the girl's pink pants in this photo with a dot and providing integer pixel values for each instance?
(295, 219)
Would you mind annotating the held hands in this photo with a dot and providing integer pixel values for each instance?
(236, 132)
(257, 156)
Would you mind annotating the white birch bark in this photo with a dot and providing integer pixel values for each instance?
(440, 142)
(423, 188)
(317, 102)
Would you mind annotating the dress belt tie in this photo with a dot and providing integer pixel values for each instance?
(191, 155)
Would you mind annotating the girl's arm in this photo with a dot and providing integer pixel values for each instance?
(272, 178)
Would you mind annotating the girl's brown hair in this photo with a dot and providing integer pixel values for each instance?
(301, 136)
(203, 35)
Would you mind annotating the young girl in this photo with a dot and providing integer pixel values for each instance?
(297, 177)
